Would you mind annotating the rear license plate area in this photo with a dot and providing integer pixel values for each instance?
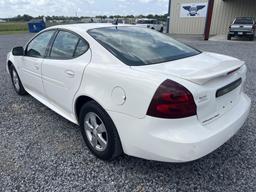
(228, 88)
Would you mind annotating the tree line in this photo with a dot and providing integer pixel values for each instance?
(25, 17)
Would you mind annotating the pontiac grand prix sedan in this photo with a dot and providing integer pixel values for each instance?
(134, 90)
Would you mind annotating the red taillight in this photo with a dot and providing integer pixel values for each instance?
(172, 101)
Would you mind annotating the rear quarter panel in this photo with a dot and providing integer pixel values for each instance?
(106, 72)
(100, 83)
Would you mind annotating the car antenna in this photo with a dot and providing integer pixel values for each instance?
(116, 23)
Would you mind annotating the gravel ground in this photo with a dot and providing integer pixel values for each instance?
(41, 151)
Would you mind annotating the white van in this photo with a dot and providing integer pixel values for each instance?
(150, 23)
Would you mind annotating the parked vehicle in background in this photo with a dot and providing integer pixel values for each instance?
(150, 23)
(242, 27)
(119, 21)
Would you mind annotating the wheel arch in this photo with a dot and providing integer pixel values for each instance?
(10, 61)
(9, 64)
(80, 101)
(78, 104)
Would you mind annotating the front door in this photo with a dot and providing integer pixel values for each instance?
(31, 67)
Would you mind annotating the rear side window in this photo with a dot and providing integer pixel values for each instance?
(81, 48)
(37, 47)
(64, 45)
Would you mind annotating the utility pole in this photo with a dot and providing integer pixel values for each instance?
(169, 16)
(208, 20)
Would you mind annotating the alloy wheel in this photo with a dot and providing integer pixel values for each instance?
(96, 132)
(16, 81)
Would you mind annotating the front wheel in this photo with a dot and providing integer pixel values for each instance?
(18, 87)
(229, 37)
(252, 38)
(99, 132)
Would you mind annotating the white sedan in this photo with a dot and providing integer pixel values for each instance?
(134, 90)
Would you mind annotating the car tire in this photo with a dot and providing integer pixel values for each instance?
(252, 38)
(229, 37)
(16, 82)
(162, 30)
(99, 132)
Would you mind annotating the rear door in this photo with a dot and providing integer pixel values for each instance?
(63, 69)
(31, 67)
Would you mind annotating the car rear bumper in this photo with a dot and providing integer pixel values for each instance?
(241, 33)
(179, 140)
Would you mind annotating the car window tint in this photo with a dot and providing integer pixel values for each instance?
(137, 46)
(37, 47)
(64, 45)
(81, 48)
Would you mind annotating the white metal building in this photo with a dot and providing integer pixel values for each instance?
(189, 16)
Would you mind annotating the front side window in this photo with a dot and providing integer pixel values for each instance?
(136, 46)
(64, 45)
(37, 47)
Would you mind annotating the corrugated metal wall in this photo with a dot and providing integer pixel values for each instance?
(223, 14)
(225, 11)
(185, 25)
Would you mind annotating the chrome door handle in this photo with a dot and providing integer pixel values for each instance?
(70, 73)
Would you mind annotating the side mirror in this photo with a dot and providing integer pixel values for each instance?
(18, 51)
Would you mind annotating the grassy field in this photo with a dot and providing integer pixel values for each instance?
(13, 27)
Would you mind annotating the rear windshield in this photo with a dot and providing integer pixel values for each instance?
(245, 21)
(136, 46)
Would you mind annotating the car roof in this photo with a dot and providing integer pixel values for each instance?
(83, 27)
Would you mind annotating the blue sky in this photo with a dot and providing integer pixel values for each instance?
(9, 8)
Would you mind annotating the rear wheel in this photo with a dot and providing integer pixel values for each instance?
(162, 30)
(18, 87)
(99, 132)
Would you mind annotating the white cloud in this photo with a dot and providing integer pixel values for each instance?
(10, 8)
(149, 1)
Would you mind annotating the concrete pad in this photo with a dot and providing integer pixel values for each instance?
(223, 38)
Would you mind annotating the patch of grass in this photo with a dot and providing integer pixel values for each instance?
(13, 27)
(11, 32)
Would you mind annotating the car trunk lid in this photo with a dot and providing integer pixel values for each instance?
(198, 69)
(214, 76)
